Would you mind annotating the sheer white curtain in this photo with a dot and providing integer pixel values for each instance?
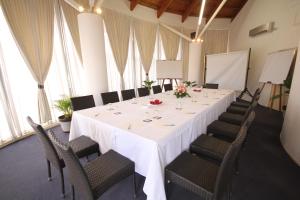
(145, 35)
(31, 23)
(118, 28)
(73, 59)
(7, 111)
(170, 43)
(134, 74)
(215, 41)
(70, 14)
(22, 87)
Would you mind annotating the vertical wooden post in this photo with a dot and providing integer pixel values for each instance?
(280, 98)
(273, 92)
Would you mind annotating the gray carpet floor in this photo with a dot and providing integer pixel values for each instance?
(266, 171)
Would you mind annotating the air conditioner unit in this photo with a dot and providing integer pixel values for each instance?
(265, 28)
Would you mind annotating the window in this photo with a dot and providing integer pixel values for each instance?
(23, 88)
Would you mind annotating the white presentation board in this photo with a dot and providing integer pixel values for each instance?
(277, 66)
(169, 69)
(229, 70)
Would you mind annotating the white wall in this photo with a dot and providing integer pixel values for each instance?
(290, 136)
(149, 14)
(285, 14)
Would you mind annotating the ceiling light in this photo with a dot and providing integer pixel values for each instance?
(98, 11)
(81, 9)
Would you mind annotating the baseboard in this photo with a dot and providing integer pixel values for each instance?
(26, 135)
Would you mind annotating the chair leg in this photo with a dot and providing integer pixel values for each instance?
(229, 190)
(237, 167)
(134, 186)
(49, 170)
(99, 153)
(245, 142)
(62, 183)
(73, 192)
(237, 171)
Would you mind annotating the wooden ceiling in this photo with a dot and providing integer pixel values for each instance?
(187, 8)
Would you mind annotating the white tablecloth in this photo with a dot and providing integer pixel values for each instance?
(151, 145)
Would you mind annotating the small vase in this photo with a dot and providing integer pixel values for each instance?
(179, 104)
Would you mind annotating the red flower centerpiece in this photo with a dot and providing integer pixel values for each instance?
(181, 91)
(156, 102)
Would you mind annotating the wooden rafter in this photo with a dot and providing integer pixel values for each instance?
(186, 8)
(163, 7)
(189, 9)
(133, 4)
(243, 2)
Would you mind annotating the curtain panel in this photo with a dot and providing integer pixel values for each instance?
(71, 17)
(118, 30)
(145, 34)
(170, 43)
(31, 22)
(215, 41)
(7, 102)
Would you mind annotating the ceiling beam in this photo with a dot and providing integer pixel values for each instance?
(176, 32)
(211, 19)
(163, 7)
(133, 4)
(189, 9)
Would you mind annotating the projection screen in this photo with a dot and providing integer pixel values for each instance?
(229, 70)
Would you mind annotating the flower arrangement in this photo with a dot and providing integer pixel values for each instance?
(148, 84)
(181, 91)
(190, 83)
(156, 102)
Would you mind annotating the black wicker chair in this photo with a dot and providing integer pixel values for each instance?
(82, 146)
(246, 104)
(143, 92)
(128, 94)
(156, 89)
(223, 130)
(205, 178)
(233, 117)
(168, 87)
(239, 107)
(211, 86)
(97, 176)
(214, 148)
(228, 124)
(110, 97)
(82, 102)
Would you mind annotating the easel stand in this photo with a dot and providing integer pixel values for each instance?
(171, 81)
(274, 89)
(274, 93)
(246, 91)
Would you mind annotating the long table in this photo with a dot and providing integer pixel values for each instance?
(151, 135)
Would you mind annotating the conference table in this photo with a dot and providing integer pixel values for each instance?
(152, 136)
